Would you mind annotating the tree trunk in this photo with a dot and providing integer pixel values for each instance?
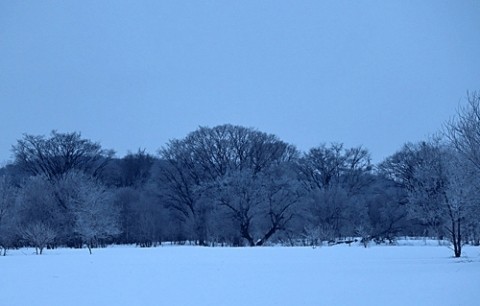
(245, 231)
(269, 234)
(458, 252)
(456, 237)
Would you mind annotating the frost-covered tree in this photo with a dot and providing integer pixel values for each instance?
(443, 191)
(403, 170)
(7, 215)
(39, 234)
(427, 187)
(37, 216)
(464, 130)
(462, 194)
(92, 206)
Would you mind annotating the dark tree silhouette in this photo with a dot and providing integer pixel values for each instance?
(58, 154)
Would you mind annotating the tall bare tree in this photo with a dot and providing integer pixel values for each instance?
(58, 154)
(327, 167)
(334, 176)
(464, 130)
(210, 153)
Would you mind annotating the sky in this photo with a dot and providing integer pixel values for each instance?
(135, 74)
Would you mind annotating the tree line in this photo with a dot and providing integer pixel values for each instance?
(236, 186)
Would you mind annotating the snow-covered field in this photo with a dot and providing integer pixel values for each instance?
(172, 275)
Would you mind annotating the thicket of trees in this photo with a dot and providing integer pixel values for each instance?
(236, 186)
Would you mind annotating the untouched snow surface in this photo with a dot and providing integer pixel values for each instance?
(338, 275)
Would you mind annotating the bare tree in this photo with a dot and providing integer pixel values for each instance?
(321, 167)
(259, 205)
(328, 167)
(283, 196)
(364, 232)
(39, 234)
(58, 154)
(334, 177)
(462, 194)
(208, 154)
(399, 167)
(464, 134)
(464, 130)
(240, 195)
(443, 190)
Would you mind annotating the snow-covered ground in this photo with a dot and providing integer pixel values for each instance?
(172, 275)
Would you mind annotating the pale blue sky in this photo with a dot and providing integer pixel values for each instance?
(134, 74)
